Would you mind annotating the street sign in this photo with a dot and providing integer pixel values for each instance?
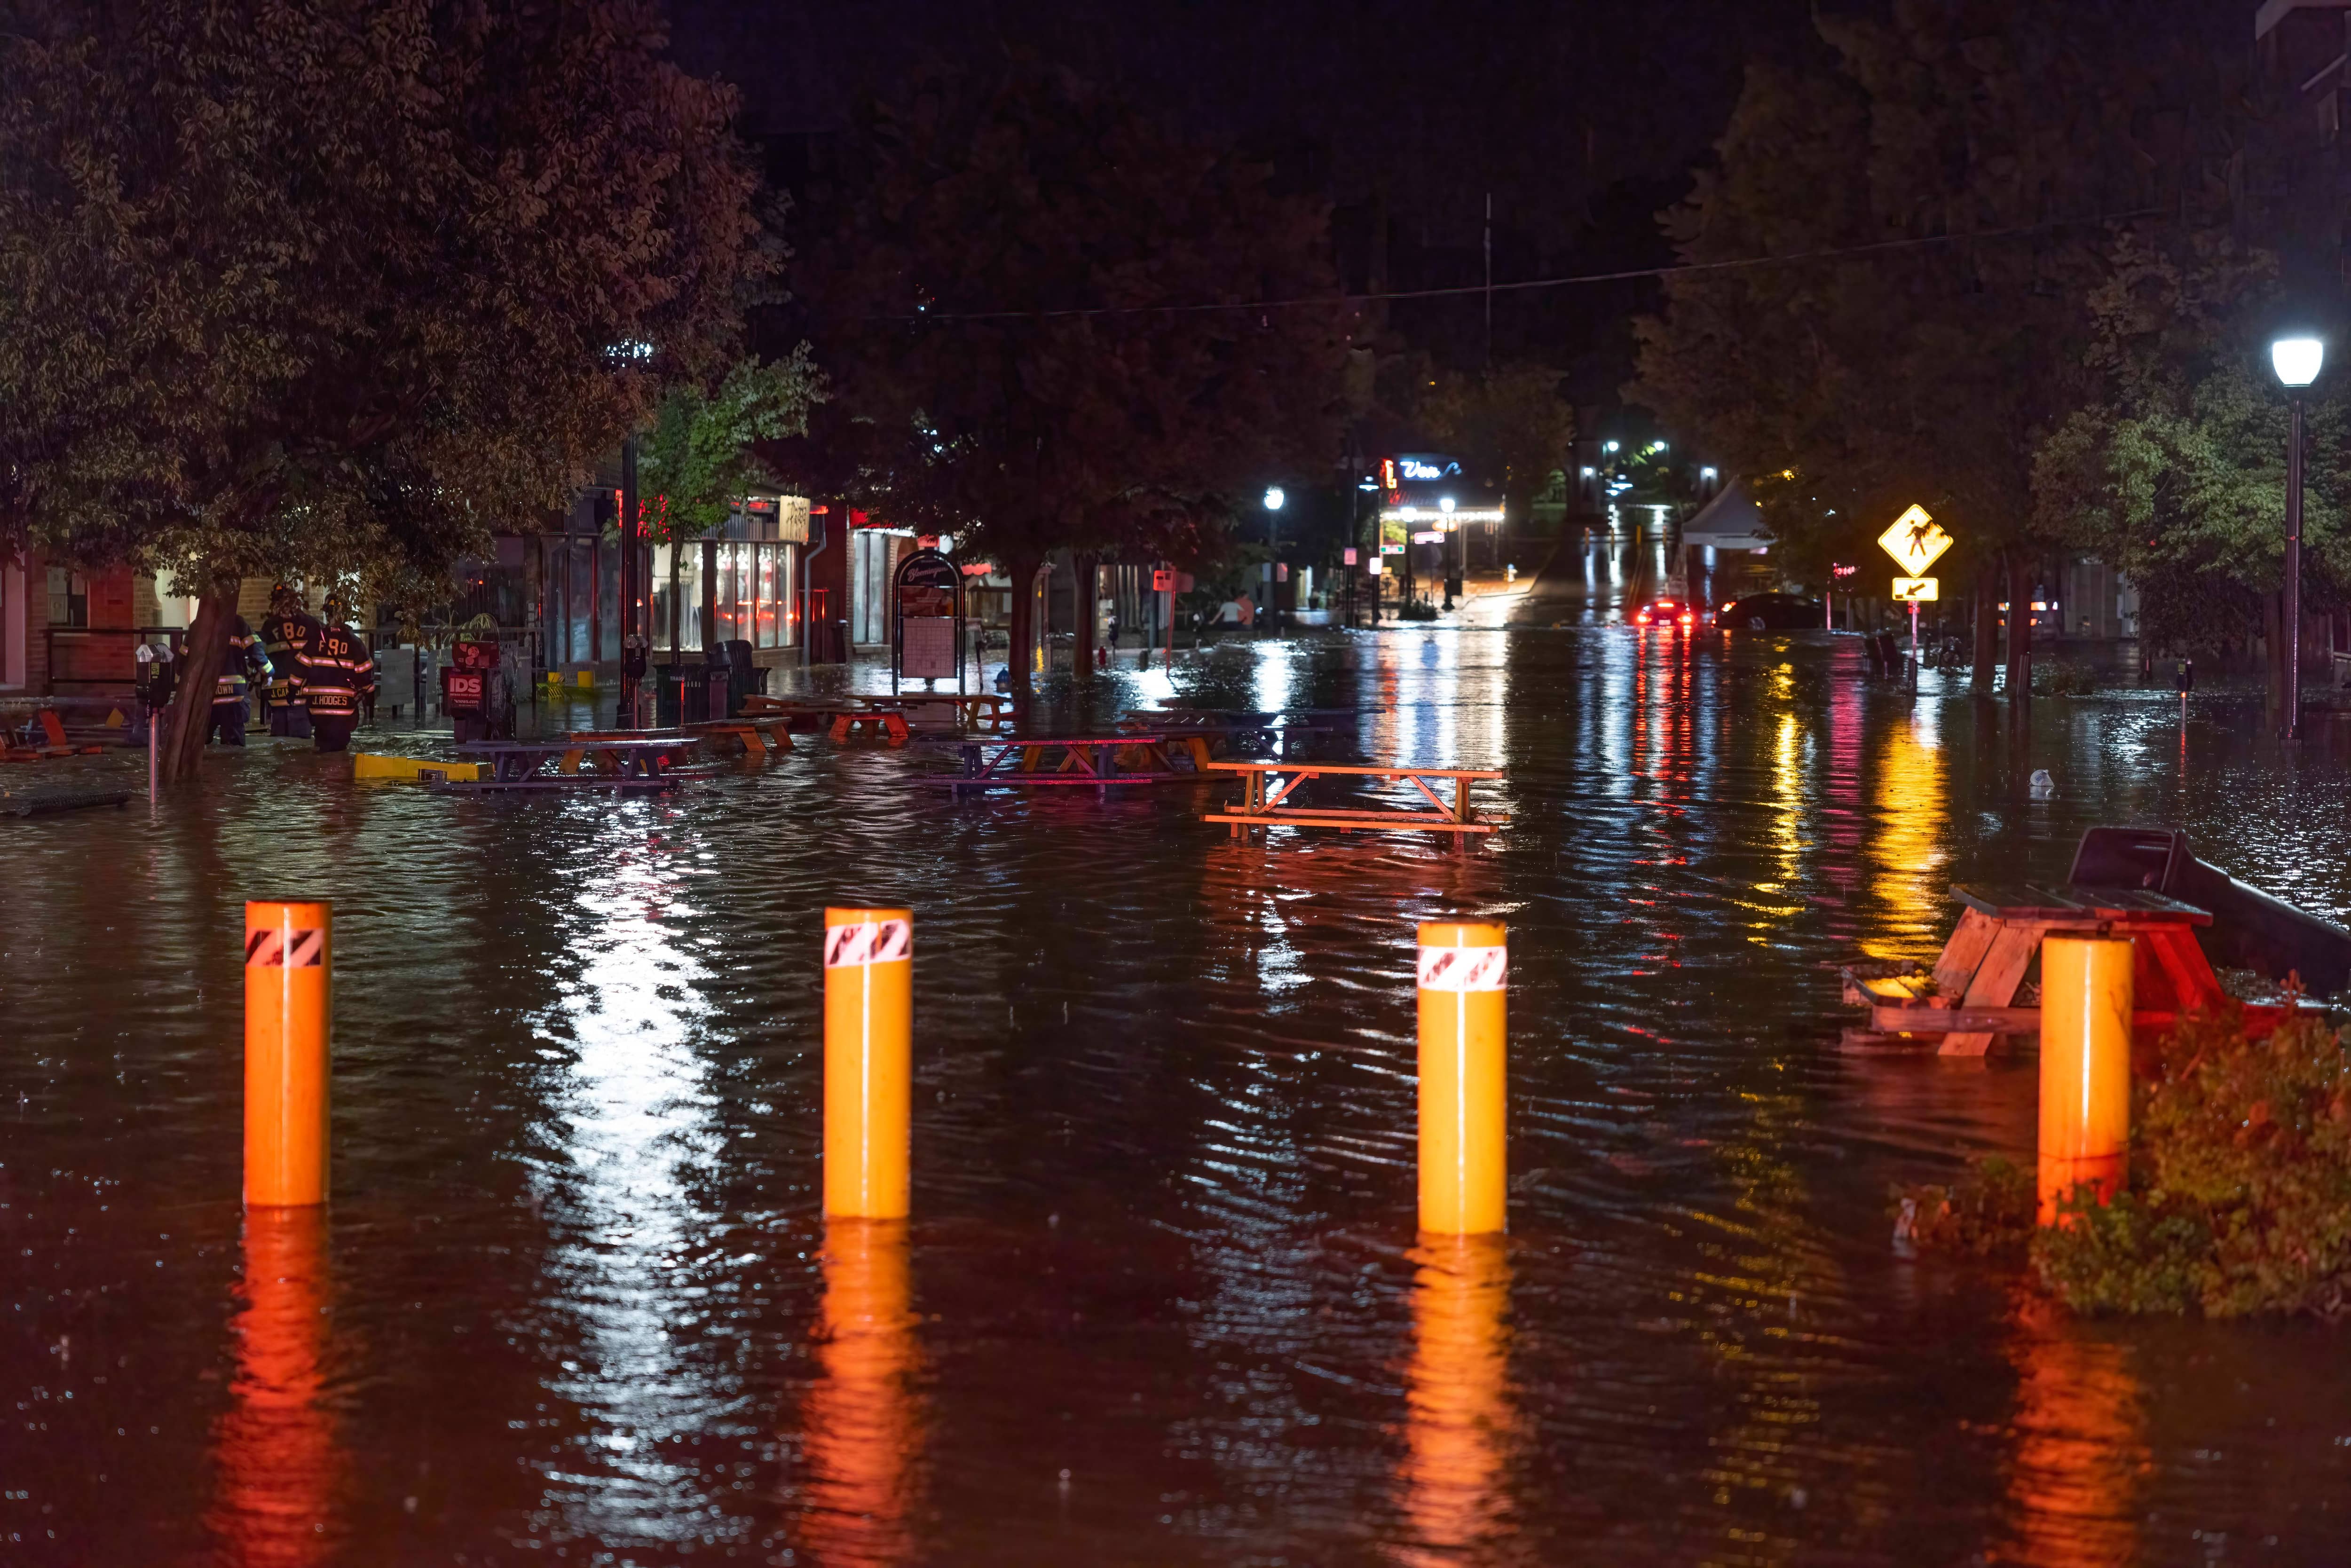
(1351, 561)
(1917, 590)
(1915, 541)
(1163, 581)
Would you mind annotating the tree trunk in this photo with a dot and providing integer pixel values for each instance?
(200, 661)
(1986, 639)
(1022, 569)
(2019, 627)
(1082, 588)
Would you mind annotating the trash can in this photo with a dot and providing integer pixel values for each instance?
(743, 676)
(682, 694)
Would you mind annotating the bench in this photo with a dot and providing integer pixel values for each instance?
(1257, 809)
(53, 731)
(1969, 997)
(759, 736)
(1092, 761)
(629, 761)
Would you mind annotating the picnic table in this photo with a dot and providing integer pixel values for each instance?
(840, 718)
(985, 711)
(1969, 997)
(1259, 731)
(618, 760)
(761, 735)
(54, 742)
(1091, 761)
(1260, 809)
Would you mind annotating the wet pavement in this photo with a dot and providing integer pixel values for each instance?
(1161, 1301)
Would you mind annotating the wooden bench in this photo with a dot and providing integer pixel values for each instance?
(1091, 761)
(759, 736)
(625, 761)
(53, 730)
(1969, 997)
(984, 713)
(1257, 809)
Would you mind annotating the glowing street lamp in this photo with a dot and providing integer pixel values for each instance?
(2296, 362)
(1274, 497)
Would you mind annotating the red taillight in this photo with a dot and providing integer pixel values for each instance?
(1643, 618)
(1686, 617)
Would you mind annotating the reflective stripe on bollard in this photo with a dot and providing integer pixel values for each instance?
(288, 1042)
(2085, 1040)
(1464, 1167)
(869, 1049)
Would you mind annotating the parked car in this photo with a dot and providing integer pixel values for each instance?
(1771, 613)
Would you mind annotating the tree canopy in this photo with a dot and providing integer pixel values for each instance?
(1036, 308)
(1974, 169)
(335, 287)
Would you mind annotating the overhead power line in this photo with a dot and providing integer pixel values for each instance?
(1683, 269)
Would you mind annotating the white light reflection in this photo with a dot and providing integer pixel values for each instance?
(633, 1141)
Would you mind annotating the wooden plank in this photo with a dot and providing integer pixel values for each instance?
(1995, 983)
(1350, 767)
(2027, 901)
(1964, 953)
(1399, 821)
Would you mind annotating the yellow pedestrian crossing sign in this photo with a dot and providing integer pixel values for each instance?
(1915, 541)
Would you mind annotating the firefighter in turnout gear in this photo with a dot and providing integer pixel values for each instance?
(338, 677)
(286, 637)
(244, 663)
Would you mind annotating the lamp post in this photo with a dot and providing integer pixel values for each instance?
(1273, 502)
(2296, 362)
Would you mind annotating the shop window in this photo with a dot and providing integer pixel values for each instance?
(69, 598)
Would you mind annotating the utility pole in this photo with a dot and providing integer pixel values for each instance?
(1489, 280)
(632, 579)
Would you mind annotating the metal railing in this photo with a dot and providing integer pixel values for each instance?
(92, 652)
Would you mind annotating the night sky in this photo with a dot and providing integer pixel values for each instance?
(1581, 119)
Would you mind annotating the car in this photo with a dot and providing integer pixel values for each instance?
(1668, 614)
(1771, 613)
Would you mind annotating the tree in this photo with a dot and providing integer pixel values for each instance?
(338, 286)
(1039, 311)
(703, 453)
(1508, 427)
(1993, 156)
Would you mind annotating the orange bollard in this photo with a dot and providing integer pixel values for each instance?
(289, 1037)
(2085, 1040)
(1457, 1436)
(869, 1060)
(1464, 1164)
(862, 1425)
(280, 1465)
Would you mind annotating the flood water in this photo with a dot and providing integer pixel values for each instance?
(1161, 1301)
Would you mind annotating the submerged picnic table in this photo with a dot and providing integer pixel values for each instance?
(1969, 998)
(1257, 809)
(1091, 761)
(838, 717)
(630, 760)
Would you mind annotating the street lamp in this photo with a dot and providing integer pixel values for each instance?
(2296, 362)
(1274, 497)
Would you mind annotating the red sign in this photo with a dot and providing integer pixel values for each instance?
(1351, 556)
(1387, 474)
(1163, 581)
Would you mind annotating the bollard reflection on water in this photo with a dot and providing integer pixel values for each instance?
(863, 1427)
(280, 1465)
(2081, 1446)
(1458, 1434)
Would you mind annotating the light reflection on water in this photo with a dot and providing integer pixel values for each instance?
(581, 1297)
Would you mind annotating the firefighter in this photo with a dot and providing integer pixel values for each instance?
(338, 677)
(242, 665)
(286, 638)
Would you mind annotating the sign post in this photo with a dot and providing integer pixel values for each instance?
(1915, 541)
(929, 608)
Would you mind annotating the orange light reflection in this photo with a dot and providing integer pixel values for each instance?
(864, 1428)
(2080, 1446)
(280, 1467)
(1458, 1436)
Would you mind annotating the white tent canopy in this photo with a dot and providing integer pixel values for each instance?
(1730, 521)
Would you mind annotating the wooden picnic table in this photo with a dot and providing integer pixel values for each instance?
(978, 711)
(1969, 998)
(1257, 809)
(840, 718)
(761, 734)
(1091, 761)
(623, 760)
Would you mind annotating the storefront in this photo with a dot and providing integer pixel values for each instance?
(741, 585)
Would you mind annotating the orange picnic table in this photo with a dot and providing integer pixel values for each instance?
(1969, 997)
(1262, 806)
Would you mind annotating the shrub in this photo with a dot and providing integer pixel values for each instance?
(2239, 1197)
